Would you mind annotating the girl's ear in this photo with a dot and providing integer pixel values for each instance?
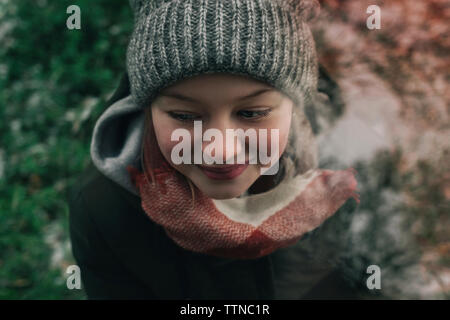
(305, 9)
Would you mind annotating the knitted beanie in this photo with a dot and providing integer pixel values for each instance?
(268, 40)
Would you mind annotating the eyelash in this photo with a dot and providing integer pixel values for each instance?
(177, 116)
(260, 114)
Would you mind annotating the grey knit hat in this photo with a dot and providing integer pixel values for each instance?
(268, 40)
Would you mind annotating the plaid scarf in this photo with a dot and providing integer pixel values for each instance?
(246, 227)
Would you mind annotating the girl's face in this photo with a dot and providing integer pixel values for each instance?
(221, 101)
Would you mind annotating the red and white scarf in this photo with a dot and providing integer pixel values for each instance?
(247, 227)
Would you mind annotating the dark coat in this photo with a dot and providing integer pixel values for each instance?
(122, 254)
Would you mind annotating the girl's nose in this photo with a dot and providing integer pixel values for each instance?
(228, 150)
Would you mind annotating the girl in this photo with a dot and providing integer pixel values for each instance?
(146, 226)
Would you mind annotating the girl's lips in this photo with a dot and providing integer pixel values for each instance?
(223, 172)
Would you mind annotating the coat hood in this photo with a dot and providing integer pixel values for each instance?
(116, 141)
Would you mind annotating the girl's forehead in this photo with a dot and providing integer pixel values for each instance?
(231, 83)
(219, 88)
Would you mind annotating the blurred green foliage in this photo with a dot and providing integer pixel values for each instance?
(54, 82)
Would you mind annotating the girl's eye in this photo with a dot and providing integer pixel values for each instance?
(254, 114)
(185, 117)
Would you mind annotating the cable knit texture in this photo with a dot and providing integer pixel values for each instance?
(267, 40)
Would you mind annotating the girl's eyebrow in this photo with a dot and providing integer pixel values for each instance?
(189, 99)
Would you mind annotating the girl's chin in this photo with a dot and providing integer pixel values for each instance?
(222, 189)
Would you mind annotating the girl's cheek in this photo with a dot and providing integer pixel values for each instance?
(283, 127)
(163, 132)
(281, 142)
(167, 145)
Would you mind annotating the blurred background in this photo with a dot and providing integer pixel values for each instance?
(390, 120)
